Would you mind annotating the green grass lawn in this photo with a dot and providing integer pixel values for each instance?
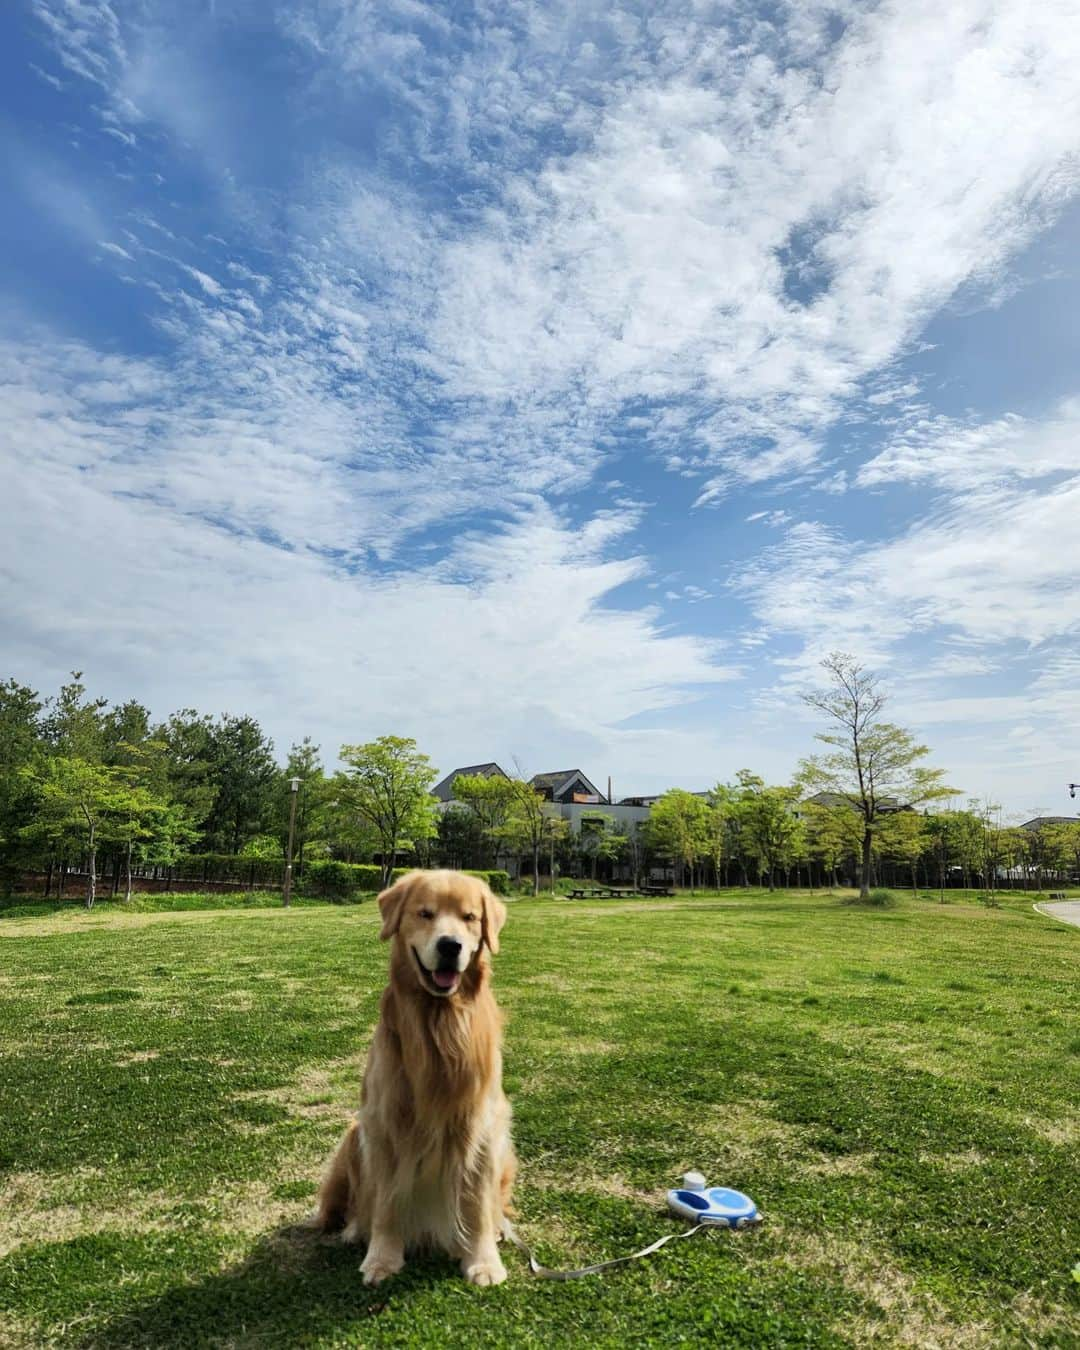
(898, 1089)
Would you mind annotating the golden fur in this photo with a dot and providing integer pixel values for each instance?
(429, 1158)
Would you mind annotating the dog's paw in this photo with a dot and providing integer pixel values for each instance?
(484, 1273)
(379, 1266)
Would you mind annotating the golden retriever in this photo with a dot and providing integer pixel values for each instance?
(428, 1160)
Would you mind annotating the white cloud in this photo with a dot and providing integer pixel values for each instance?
(514, 628)
(983, 587)
(649, 261)
(945, 453)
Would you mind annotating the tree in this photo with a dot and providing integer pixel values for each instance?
(74, 794)
(772, 828)
(491, 800)
(903, 836)
(833, 834)
(390, 787)
(525, 823)
(242, 768)
(599, 838)
(556, 834)
(188, 737)
(461, 838)
(313, 797)
(1061, 847)
(73, 725)
(874, 765)
(717, 833)
(678, 828)
(20, 737)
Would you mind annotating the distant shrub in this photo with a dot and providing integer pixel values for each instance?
(342, 881)
(498, 880)
(879, 897)
(229, 867)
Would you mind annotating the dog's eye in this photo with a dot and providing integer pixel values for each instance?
(424, 914)
(469, 918)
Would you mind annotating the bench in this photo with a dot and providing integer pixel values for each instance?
(602, 893)
(657, 890)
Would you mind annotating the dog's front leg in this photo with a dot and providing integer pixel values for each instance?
(386, 1251)
(481, 1263)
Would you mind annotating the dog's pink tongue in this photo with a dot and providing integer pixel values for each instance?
(445, 979)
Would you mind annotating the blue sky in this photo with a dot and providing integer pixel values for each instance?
(553, 383)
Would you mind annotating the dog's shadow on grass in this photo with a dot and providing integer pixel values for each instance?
(292, 1286)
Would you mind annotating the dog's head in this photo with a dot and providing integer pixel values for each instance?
(442, 920)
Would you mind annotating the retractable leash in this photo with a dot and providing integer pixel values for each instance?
(705, 1207)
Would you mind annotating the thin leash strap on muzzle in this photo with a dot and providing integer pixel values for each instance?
(547, 1274)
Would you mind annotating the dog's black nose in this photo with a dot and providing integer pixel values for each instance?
(448, 948)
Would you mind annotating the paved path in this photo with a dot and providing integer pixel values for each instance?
(1068, 911)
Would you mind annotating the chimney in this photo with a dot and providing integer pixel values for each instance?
(609, 789)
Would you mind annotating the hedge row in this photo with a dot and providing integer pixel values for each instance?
(229, 867)
(342, 880)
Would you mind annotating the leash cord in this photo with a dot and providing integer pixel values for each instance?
(546, 1273)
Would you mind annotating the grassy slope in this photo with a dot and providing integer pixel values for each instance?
(897, 1089)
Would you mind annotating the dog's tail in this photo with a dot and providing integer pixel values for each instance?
(335, 1193)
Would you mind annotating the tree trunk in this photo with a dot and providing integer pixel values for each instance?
(536, 868)
(48, 879)
(91, 881)
(864, 878)
(914, 880)
(127, 895)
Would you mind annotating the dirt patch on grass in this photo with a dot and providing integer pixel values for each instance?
(897, 1312)
(28, 1214)
(315, 1093)
(739, 1132)
(136, 1057)
(841, 1165)
(1063, 1132)
(955, 1162)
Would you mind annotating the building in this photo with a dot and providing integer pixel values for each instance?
(1041, 822)
(567, 785)
(444, 789)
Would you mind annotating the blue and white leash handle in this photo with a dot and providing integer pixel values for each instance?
(706, 1207)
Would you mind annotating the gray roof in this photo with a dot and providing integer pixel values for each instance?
(558, 778)
(1040, 821)
(445, 787)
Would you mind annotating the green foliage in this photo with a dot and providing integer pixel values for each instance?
(499, 881)
(874, 766)
(229, 867)
(342, 880)
(241, 765)
(20, 734)
(773, 833)
(878, 897)
(389, 787)
(678, 827)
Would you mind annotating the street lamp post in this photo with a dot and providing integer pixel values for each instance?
(294, 786)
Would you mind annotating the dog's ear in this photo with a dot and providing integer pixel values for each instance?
(391, 903)
(494, 916)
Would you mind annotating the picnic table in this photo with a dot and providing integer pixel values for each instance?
(602, 893)
(663, 889)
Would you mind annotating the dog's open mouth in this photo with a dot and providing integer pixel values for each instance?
(439, 981)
